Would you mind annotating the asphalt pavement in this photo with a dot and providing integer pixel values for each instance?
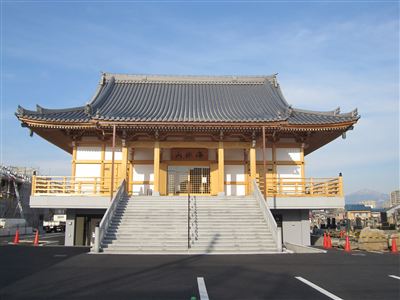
(72, 273)
(50, 239)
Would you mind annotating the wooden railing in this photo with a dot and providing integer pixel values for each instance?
(302, 187)
(68, 185)
(278, 187)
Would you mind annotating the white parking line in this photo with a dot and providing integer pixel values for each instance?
(394, 276)
(202, 288)
(319, 289)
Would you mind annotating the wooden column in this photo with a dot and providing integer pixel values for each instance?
(124, 163)
(341, 193)
(274, 169)
(113, 162)
(253, 170)
(303, 180)
(156, 183)
(221, 166)
(130, 170)
(264, 177)
(73, 166)
(103, 184)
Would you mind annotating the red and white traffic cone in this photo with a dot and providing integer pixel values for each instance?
(16, 238)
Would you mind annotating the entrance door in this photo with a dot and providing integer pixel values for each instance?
(183, 180)
(107, 177)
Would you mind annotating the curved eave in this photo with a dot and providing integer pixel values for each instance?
(320, 127)
(55, 124)
(281, 125)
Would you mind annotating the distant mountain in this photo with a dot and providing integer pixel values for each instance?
(366, 194)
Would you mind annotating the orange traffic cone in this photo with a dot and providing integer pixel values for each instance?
(394, 244)
(325, 241)
(16, 238)
(36, 240)
(329, 242)
(347, 244)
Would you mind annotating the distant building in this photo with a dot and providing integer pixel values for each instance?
(369, 203)
(354, 211)
(394, 198)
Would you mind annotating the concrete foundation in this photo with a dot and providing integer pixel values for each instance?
(295, 225)
(77, 225)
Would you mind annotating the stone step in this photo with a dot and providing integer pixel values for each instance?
(150, 249)
(159, 225)
(239, 235)
(184, 252)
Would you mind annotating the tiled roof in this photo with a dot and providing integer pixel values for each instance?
(357, 207)
(141, 98)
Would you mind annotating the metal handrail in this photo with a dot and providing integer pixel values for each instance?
(188, 222)
(108, 216)
(269, 218)
(194, 222)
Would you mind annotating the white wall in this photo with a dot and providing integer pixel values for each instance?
(165, 154)
(234, 154)
(288, 154)
(287, 140)
(88, 153)
(142, 173)
(292, 172)
(117, 153)
(259, 154)
(87, 170)
(235, 173)
(286, 171)
(212, 154)
(143, 154)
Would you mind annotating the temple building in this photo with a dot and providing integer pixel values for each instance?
(214, 137)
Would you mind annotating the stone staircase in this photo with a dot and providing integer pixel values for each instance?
(159, 225)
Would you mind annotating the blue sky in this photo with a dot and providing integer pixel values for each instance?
(327, 54)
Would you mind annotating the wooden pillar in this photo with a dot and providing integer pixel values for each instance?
(221, 167)
(264, 175)
(124, 162)
(73, 166)
(156, 182)
(341, 193)
(103, 184)
(33, 187)
(253, 170)
(130, 170)
(303, 177)
(274, 169)
(113, 162)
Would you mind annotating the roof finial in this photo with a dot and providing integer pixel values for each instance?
(88, 109)
(289, 110)
(275, 80)
(103, 78)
